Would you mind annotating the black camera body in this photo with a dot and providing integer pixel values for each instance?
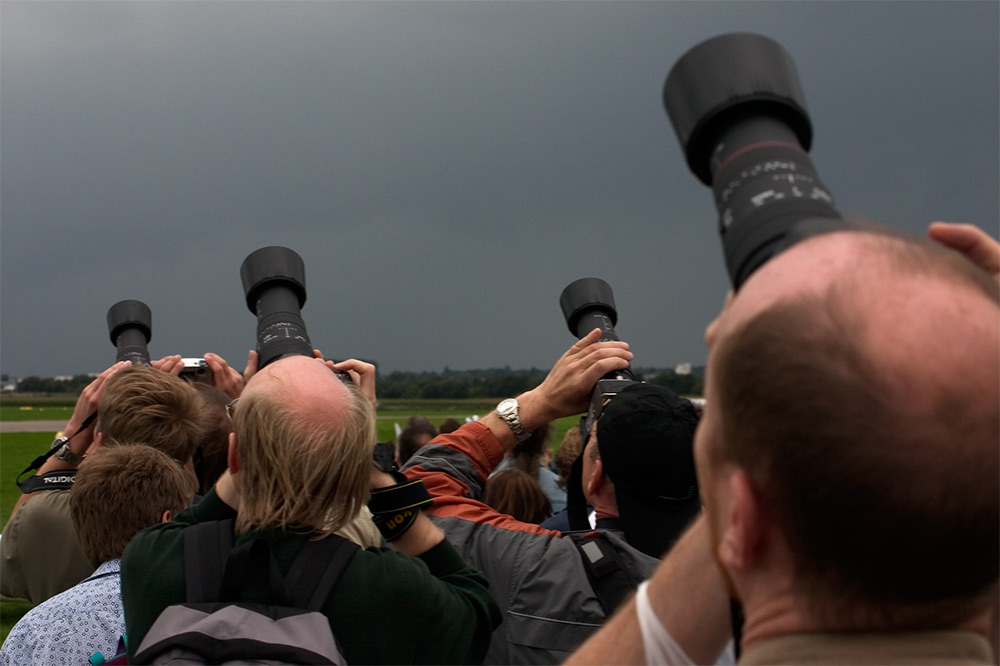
(274, 282)
(737, 108)
(130, 327)
(589, 303)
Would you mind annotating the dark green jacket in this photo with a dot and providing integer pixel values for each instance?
(387, 608)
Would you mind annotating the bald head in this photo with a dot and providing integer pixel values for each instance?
(855, 378)
(305, 385)
(304, 441)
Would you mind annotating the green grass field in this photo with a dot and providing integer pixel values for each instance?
(33, 413)
(18, 449)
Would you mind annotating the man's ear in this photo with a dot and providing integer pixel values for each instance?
(167, 516)
(99, 438)
(744, 529)
(232, 457)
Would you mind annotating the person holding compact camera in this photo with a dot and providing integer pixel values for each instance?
(556, 589)
(40, 554)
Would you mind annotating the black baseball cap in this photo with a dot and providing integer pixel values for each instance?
(645, 436)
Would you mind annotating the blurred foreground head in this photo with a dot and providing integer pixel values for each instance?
(851, 430)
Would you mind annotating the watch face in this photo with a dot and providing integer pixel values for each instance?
(507, 406)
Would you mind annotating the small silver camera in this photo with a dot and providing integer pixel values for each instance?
(196, 370)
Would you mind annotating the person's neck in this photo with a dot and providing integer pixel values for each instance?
(603, 503)
(772, 617)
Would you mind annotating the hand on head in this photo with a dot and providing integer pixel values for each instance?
(977, 246)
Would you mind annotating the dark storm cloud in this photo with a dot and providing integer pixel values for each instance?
(444, 168)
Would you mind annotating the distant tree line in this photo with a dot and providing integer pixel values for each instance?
(450, 384)
(50, 385)
(505, 382)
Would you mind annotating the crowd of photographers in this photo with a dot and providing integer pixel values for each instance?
(836, 539)
(837, 500)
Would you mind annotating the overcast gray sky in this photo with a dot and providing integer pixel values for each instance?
(445, 169)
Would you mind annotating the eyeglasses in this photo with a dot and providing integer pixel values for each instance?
(231, 408)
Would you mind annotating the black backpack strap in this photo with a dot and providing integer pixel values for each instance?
(576, 501)
(216, 571)
(246, 563)
(206, 549)
(607, 577)
(329, 555)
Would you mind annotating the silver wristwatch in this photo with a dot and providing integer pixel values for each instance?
(507, 410)
(64, 453)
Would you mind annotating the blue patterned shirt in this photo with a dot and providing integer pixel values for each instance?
(71, 626)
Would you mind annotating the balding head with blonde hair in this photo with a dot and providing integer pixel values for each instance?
(303, 442)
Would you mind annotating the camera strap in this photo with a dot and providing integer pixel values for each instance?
(48, 481)
(61, 479)
(395, 508)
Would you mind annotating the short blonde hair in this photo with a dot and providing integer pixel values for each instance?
(121, 490)
(302, 472)
(143, 404)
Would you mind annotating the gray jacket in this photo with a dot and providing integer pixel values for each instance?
(537, 576)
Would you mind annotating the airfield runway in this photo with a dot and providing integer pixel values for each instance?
(31, 426)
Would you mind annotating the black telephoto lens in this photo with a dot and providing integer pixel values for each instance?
(737, 108)
(274, 283)
(588, 303)
(129, 323)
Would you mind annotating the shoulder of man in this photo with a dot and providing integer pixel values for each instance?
(30, 568)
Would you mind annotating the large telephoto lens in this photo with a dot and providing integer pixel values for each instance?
(588, 303)
(274, 281)
(129, 323)
(738, 110)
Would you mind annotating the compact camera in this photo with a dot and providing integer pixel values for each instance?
(196, 370)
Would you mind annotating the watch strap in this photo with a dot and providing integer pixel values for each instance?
(507, 411)
(66, 454)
